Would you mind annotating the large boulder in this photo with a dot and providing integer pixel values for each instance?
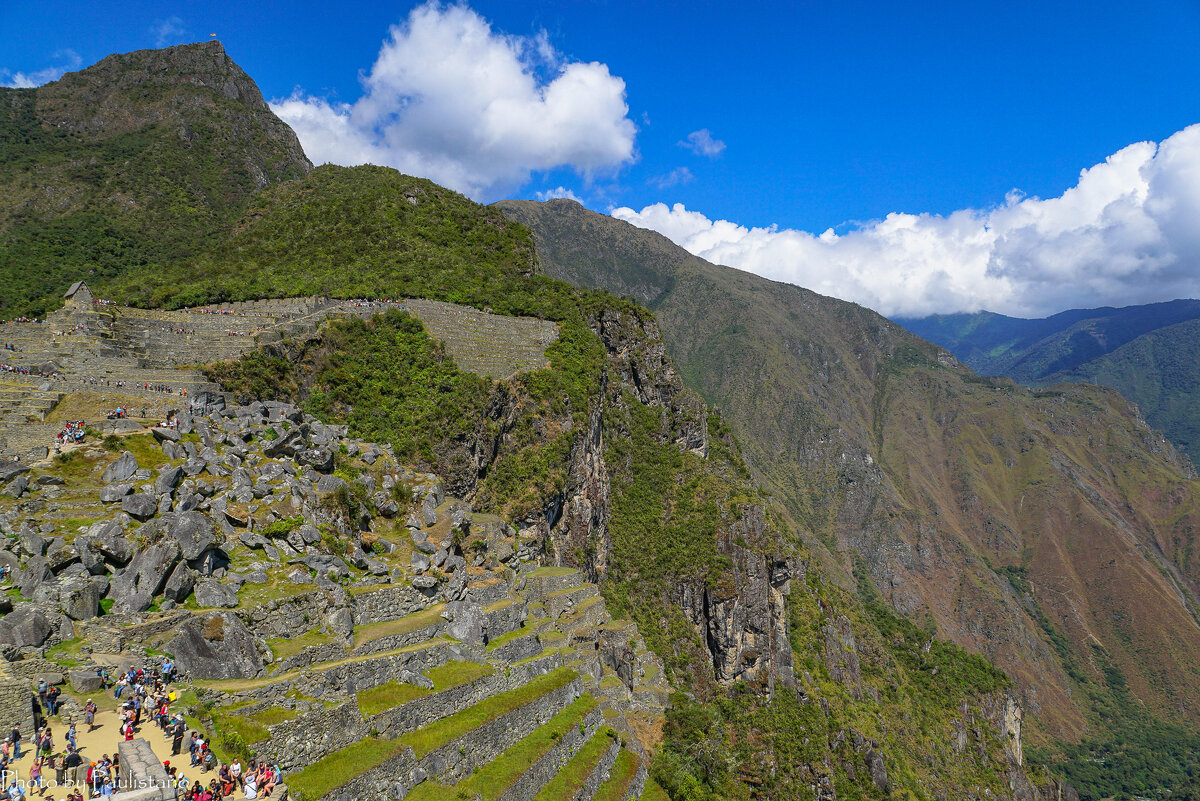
(79, 597)
(120, 470)
(167, 480)
(165, 434)
(179, 585)
(26, 626)
(212, 593)
(10, 470)
(139, 506)
(16, 488)
(319, 459)
(36, 572)
(108, 540)
(136, 586)
(60, 555)
(86, 681)
(467, 621)
(216, 646)
(111, 493)
(192, 530)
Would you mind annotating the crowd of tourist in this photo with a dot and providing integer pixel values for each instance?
(17, 368)
(72, 431)
(23, 320)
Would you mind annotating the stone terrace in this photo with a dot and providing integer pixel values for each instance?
(147, 353)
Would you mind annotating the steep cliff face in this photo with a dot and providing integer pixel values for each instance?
(1052, 531)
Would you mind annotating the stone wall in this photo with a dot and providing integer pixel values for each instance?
(391, 602)
(304, 739)
(546, 768)
(600, 772)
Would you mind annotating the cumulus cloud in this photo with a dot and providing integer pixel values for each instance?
(1126, 233)
(557, 193)
(450, 99)
(676, 177)
(167, 31)
(68, 60)
(702, 143)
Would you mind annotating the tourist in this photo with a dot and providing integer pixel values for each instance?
(15, 738)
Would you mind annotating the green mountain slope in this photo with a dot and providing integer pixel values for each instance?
(125, 166)
(1140, 351)
(1032, 527)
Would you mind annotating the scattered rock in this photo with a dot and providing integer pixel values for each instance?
(211, 593)
(112, 493)
(122, 469)
(216, 646)
(139, 506)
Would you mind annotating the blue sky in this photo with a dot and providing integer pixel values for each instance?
(831, 115)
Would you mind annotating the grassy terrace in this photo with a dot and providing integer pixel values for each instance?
(448, 729)
(370, 632)
(567, 782)
(553, 571)
(492, 780)
(286, 647)
(341, 766)
(445, 677)
(238, 685)
(504, 639)
(619, 778)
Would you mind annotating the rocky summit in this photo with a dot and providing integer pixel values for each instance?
(333, 483)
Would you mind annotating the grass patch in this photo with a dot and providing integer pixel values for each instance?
(331, 772)
(285, 647)
(493, 780)
(405, 625)
(388, 696)
(449, 729)
(619, 777)
(272, 715)
(66, 653)
(553, 571)
(455, 674)
(503, 639)
(568, 781)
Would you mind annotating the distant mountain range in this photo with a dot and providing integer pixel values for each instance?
(1150, 354)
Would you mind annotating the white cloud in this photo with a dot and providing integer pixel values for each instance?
(1126, 233)
(450, 99)
(68, 59)
(556, 193)
(167, 31)
(702, 143)
(679, 176)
